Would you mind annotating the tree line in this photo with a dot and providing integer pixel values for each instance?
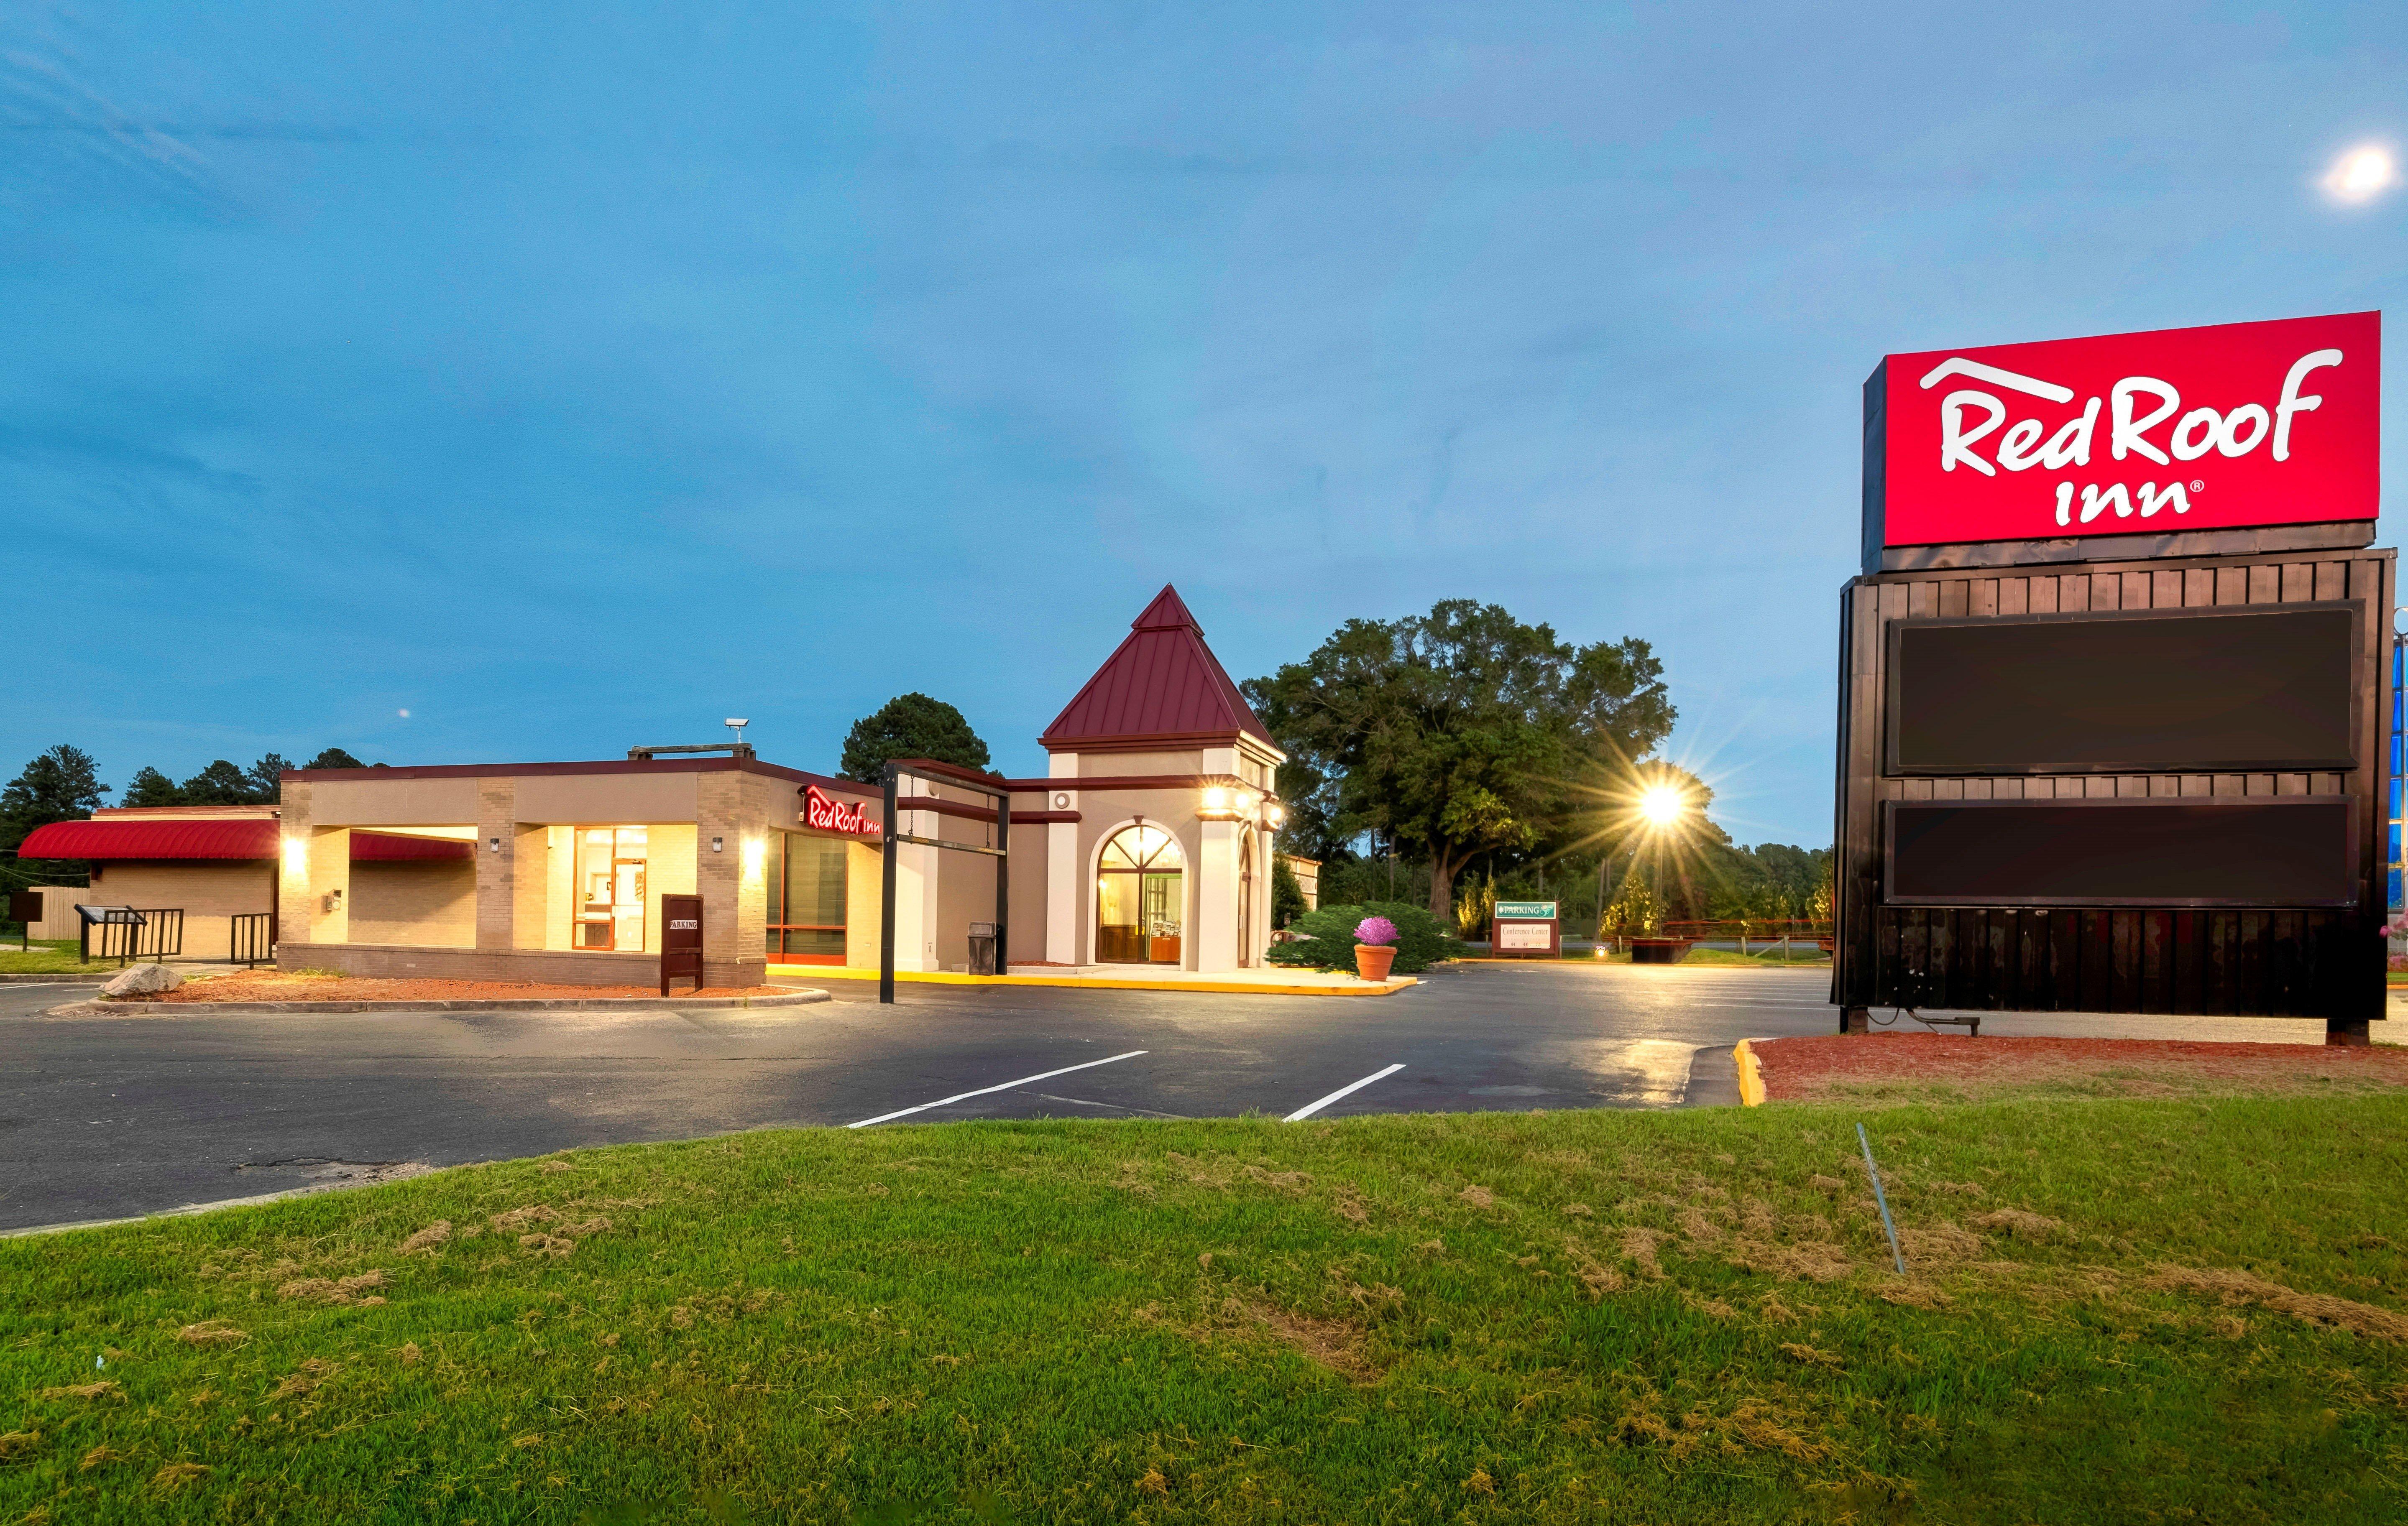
(63, 784)
(1463, 756)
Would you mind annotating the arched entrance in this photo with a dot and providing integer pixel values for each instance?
(1141, 898)
(1245, 900)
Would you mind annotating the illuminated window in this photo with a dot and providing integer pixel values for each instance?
(611, 863)
(806, 875)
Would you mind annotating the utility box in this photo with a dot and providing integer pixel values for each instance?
(2132, 758)
(681, 940)
(1525, 930)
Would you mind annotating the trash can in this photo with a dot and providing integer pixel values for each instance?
(982, 948)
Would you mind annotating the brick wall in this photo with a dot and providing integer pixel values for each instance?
(537, 965)
(210, 895)
(420, 905)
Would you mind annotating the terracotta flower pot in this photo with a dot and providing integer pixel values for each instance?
(1371, 960)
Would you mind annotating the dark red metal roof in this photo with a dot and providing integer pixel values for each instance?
(238, 837)
(1163, 684)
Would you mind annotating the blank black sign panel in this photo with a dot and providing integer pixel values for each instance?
(2293, 850)
(2157, 691)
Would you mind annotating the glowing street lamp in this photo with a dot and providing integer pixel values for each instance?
(1662, 811)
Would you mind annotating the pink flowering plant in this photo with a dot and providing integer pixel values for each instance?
(1325, 939)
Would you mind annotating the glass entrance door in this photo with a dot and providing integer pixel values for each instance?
(1140, 898)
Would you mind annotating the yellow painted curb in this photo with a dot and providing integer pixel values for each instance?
(1751, 1076)
(1076, 983)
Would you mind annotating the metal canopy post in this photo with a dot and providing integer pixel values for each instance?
(895, 801)
(1003, 883)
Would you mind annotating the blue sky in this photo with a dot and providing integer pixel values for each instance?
(571, 378)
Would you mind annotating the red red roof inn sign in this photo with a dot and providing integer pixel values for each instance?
(2112, 680)
(2233, 426)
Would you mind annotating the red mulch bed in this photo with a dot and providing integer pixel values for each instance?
(1805, 1069)
(268, 987)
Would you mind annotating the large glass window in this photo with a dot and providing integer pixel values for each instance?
(610, 873)
(807, 897)
(1140, 898)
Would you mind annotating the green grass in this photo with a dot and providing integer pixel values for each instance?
(47, 956)
(1572, 1317)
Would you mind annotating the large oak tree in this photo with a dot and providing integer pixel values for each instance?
(1457, 732)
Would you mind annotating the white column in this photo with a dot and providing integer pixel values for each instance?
(916, 868)
(1066, 892)
(1215, 929)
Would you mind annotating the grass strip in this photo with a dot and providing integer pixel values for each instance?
(2116, 1310)
(47, 956)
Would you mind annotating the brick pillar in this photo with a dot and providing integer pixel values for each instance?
(313, 881)
(731, 881)
(497, 878)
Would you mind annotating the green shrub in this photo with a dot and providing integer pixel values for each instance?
(1327, 940)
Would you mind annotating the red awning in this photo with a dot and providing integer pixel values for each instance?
(223, 839)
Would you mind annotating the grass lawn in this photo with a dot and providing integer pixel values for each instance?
(47, 956)
(2117, 1310)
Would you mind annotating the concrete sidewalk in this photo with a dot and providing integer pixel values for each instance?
(1256, 982)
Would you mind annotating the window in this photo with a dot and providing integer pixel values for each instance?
(1140, 898)
(807, 898)
(609, 901)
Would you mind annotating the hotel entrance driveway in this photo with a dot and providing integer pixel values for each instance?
(114, 1116)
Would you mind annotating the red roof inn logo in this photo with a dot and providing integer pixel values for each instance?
(2219, 428)
(834, 816)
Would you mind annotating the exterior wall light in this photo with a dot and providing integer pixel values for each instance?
(296, 855)
(755, 853)
(1279, 816)
(1216, 799)
(719, 845)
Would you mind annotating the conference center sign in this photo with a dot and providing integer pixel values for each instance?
(2234, 426)
(2112, 679)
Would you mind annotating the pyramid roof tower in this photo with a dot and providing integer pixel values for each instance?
(1162, 685)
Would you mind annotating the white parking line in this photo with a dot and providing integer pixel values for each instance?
(1310, 1108)
(965, 1096)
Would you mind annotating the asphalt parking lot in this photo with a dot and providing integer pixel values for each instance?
(114, 1116)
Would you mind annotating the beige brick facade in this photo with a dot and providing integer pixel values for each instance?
(510, 913)
(210, 895)
(421, 905)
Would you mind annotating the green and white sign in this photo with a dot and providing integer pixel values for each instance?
(1526, 910)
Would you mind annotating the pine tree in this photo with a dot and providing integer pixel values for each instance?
(219, 784)
(61, 785)
(909, 726)
(152, 788)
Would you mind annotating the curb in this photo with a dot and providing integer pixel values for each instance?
(63, 978)
(1751, 1074)
(1073, 982)
(541, 1004)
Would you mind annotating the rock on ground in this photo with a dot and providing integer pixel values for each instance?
(143, 980)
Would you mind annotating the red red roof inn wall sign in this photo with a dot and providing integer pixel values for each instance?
(2174, 435)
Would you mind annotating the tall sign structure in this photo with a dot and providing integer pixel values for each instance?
(2112, 679)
